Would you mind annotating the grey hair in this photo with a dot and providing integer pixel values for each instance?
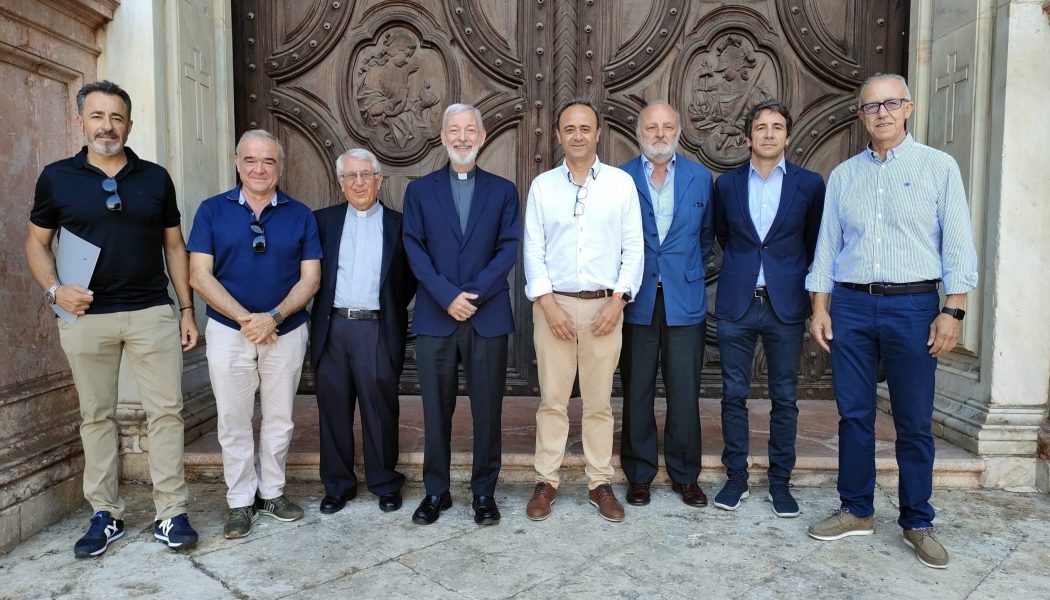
(260, 133)
(678, 119)
(359, 154)
(457, 108)
(880, 76)
(106, 87)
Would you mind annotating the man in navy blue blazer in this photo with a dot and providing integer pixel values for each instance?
(358, 327)
(665, 324)
(462, 232)
(767, 216)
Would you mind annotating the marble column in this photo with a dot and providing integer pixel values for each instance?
(978, 73)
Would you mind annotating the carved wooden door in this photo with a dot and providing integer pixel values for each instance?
(326, 76)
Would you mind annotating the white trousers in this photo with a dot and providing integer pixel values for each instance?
(238, 368)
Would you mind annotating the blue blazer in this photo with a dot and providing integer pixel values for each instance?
(447, 260)
(396, 283)
(785, 254)
(680, 259)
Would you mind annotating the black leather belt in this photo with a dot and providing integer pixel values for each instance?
(354, 314)
(893, 289)
(587, 295)
(761, 292)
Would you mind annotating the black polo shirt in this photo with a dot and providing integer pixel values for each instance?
(130, 271)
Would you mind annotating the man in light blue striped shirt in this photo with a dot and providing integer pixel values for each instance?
(895, 226)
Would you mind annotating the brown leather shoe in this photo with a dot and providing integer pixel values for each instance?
(691, 494)
(605, 500)
(539, 506)
(638, 494)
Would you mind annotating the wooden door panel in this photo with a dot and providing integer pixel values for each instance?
(329, 76)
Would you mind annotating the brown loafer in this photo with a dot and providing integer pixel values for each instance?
(638, 494)
(603, 498)
(539, 506)
(691, 494)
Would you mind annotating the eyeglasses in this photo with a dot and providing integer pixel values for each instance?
(354, 175)
(113, 203)
(872, 108)
(259, 241)
(581, 194)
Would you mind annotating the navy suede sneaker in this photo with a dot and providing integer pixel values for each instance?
(784, 504)
(733, 492)
(104, 530)
(175, 532)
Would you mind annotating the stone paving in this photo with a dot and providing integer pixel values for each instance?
(998, 541)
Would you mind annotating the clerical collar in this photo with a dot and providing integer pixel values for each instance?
(363, 214)
(463, 176)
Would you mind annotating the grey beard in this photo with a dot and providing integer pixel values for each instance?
(658, 156)
(466, 162)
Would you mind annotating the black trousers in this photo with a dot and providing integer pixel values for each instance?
(356, 366)
(678, 352)
(484, 361)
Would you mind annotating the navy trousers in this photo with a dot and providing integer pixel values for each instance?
(894, 329)
(356, 366)
(782, 343)
(485, 365)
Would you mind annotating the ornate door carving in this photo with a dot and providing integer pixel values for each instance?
(333, 75)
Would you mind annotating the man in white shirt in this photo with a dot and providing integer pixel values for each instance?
(583, 263)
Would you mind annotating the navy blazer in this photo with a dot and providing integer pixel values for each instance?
(447, 260)
(678, 261)
(785, 254)
(397, 285)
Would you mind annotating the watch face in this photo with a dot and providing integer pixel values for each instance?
(50, 297)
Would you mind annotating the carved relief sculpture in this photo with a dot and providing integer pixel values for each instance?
(724, 92)
(392, 95)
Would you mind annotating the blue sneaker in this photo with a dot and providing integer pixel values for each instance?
(175, 532)
(104, 531)
(732, 492)
(784, 504)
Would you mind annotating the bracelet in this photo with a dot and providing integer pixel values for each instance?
(182, 308)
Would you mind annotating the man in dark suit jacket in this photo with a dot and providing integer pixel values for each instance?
(767, 216)
(462, 232)
(665, 323)
(358, 327)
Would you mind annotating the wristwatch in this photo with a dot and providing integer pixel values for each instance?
(278, 318)
(958, 313)
(625, 297)
(49, 295)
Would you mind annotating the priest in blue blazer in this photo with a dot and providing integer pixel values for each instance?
(462, 235)
(664, 325)
(767, 216)
(358, 327)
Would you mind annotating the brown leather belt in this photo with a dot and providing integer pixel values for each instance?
(587, 295)
(356, 315)
(893, 289)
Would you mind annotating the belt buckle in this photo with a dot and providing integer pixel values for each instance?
(881, 288)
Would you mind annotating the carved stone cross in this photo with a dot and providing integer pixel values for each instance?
(951, 79)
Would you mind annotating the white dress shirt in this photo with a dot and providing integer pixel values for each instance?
(597, 250)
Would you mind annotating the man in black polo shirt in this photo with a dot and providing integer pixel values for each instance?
(126, 206)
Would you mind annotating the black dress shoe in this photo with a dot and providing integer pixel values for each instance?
(485, 510)
(638, 494)
(431, 508)
(333, 504)
(390, 502)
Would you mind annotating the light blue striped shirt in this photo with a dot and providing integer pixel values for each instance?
(662, 197)
(763, 202)
(360, 259)
(898, 221)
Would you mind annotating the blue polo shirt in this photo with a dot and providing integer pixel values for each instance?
(257, 280)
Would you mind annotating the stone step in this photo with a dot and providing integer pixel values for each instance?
(816, 446)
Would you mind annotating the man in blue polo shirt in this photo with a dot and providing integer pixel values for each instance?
(255, 259)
